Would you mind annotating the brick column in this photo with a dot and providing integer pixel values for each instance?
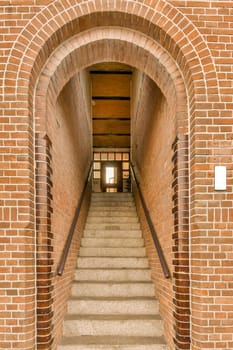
(181, 243)
(44, 242)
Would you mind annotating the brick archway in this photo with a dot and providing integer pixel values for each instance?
(162, 23)
(58, 21)
(135, 49)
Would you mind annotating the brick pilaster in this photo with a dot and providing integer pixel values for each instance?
(181, 243)
(44, 243)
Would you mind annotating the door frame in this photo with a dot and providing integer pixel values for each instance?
(119, 184)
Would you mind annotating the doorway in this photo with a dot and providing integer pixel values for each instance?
(111, 171)
(111, 176)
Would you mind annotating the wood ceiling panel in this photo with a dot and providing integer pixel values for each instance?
(111, 126)
(114, 141)
(111, 108)
(111, 105)
(111, 66)
(111, 85)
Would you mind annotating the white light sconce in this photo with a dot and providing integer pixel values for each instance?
(220, 178)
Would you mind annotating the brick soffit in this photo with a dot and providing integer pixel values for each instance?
(139, 52)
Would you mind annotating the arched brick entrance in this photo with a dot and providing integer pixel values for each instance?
(84, 50)
(161, 42)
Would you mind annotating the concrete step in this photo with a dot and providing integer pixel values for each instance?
(113, 226)
(112, 194)
(112, 219)
(112, 233)
(95, 346)
(112, 304)
(117, 202)
(110, 242)
(112, 204)
(115, 263)
(112, 343)
(117, 275)
(112, 197)
(113, 326)
(111, 209)
(113, 307)
(115, 213)
(112, 290)
(112, 252)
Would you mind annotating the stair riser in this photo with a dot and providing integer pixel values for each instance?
(105, 201)
(112, 213)
(112, 304)
(112, 198)
(118, 206)
(112, 234)
(112, 307)
(110, 243)
(113, 275)
(104, 219)
(112, 290)
(111, 204)
(114, 195)
(114, 347)
(112, 226)
(150, 328)
(134, 263)
(113, 252)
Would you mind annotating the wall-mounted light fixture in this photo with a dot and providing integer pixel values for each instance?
(220, 178)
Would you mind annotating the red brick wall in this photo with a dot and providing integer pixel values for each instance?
(62, 157)
(70, 130)
(189, 39)
(152, 158)
(160, 157)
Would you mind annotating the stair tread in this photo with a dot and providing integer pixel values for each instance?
(112, 288)
(110, 298)
(113, 212)
(114, 327)
(108, 262)
(113, 226)
(103, 210)
(113, 282)
(140, 298)
(113, 340)
(113, 347)
(114, 258)
(113, 269)
(111, 220)
(91, 281)
(112, 252)
(121, 317)
(96, 233)
(108, 307)
(119, 242)
(112, 303)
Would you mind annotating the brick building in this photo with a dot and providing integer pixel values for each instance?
(175, 61)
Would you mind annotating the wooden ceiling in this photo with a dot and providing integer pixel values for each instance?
(111, 105)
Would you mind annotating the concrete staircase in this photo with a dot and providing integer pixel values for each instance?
(112, 304)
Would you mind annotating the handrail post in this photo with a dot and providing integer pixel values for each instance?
(67, 245)
(157, 244)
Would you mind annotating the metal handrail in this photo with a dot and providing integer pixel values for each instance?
(154, 235)
(67, 245)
